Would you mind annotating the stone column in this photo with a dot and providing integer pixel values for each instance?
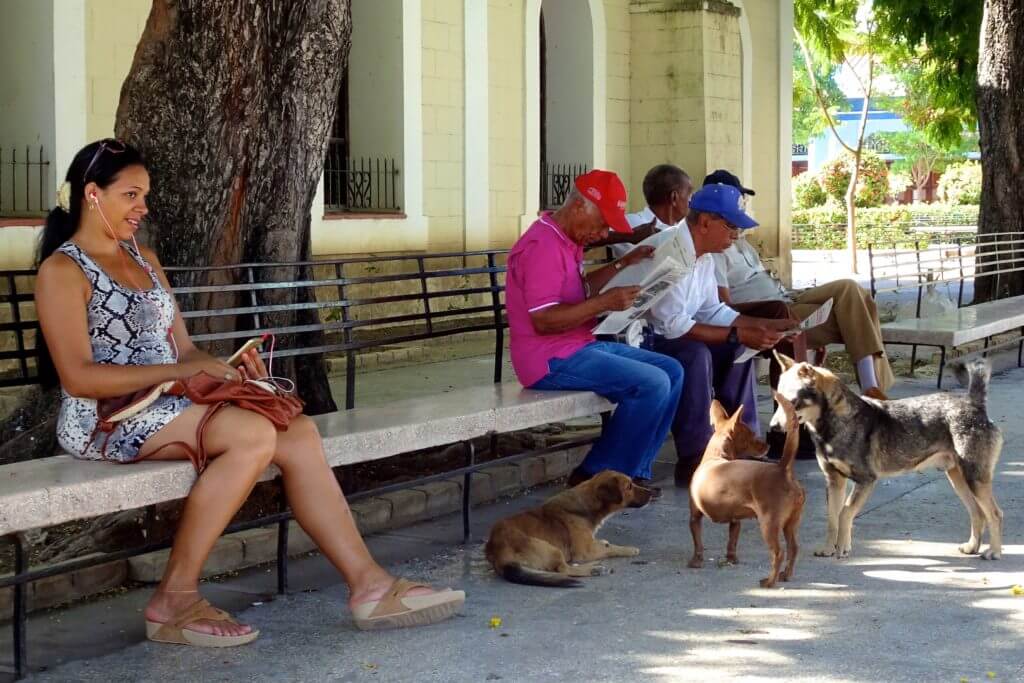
(686, 88)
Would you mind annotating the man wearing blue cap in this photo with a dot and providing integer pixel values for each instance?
(704, 334)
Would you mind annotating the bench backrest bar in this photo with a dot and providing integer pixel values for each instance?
(331, 307)
(957, 260)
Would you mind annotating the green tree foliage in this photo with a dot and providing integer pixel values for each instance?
(961, 183)
(807, 191)
(808, 119)
(832, 34)
(919, 157)
(934, 44)
(872, 181)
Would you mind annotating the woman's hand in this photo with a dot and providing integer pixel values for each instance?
(201, 362)
(252, 366)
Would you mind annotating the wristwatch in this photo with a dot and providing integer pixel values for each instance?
(734, 337)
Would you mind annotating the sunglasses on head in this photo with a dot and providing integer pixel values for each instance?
(110, 144)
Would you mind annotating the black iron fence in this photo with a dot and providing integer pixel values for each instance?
(367, 184)
(556, 182)
(25, 187)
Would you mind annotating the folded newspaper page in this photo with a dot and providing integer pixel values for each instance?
(819, 316)
(670, 263)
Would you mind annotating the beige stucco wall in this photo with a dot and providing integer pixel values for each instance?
(617, 88)
(686, 92)
(113, 29)
(443, 124)
(505, 34)
(673, 90)
(771, 34)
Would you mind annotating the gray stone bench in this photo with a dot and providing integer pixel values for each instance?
(50, 491)
(962, 326)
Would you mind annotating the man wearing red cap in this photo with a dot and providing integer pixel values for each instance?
(552, 304)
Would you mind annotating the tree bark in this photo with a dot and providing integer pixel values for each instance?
(231, 104)
(1000, 96)
(851, 212)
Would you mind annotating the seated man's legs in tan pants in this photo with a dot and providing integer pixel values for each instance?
(853, 323)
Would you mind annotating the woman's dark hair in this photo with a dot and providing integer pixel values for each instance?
(99, 162)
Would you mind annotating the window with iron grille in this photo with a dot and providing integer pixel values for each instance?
(26, 187)
(362, 171)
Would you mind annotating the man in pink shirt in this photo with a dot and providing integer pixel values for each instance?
(552, 304)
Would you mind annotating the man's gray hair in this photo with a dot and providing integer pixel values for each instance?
(575, 194)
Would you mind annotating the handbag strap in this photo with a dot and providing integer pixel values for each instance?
(198, 455)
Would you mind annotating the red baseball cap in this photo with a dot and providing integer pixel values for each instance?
(609, 194)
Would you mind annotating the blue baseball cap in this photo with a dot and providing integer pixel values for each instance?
(725, 201)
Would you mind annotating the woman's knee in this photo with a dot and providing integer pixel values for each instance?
(305, 425)
(238, 429)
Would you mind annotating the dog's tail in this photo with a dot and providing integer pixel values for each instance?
(528, 576)
(975, 375)
(792, 444)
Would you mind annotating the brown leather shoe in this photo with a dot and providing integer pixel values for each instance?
(577, 477)
(684, 472)
(875, 393)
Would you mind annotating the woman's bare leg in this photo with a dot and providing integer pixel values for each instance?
(320, 508)
(241, 445)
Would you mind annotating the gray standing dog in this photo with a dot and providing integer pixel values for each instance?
(863, 440)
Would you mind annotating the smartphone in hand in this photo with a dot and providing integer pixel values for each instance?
(236, 357)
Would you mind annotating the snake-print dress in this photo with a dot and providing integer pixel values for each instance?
(126, 327)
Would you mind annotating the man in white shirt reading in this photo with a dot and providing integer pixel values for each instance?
(690, 323)
(743, 281)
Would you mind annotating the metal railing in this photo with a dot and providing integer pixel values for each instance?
(25, 182)
(556, 182)
(953, 263)
(353, 184)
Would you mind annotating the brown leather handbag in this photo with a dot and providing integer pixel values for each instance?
(202, 389)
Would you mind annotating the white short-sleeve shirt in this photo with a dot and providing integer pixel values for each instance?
(694, 299)
(739, 269)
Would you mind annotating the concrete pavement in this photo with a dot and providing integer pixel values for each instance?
(905, 607)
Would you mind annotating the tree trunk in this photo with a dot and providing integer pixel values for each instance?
(231, 104)
(1000, 98)
(851, 212)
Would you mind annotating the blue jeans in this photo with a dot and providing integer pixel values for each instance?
(645, 386)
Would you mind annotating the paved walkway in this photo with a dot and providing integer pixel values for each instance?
(905, 607)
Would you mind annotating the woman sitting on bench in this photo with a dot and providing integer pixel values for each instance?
(112, 328)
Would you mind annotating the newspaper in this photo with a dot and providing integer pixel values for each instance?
(669, 264)
(819, 316)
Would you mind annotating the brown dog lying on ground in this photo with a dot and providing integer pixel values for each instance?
(535, 547)
(729, 489)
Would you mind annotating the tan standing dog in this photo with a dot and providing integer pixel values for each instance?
(727, 488)
(536, 547)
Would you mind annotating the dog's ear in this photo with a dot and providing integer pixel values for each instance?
(785, 362)
(718, 414)
(610, 492)
(807, 372)
(737, 415)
